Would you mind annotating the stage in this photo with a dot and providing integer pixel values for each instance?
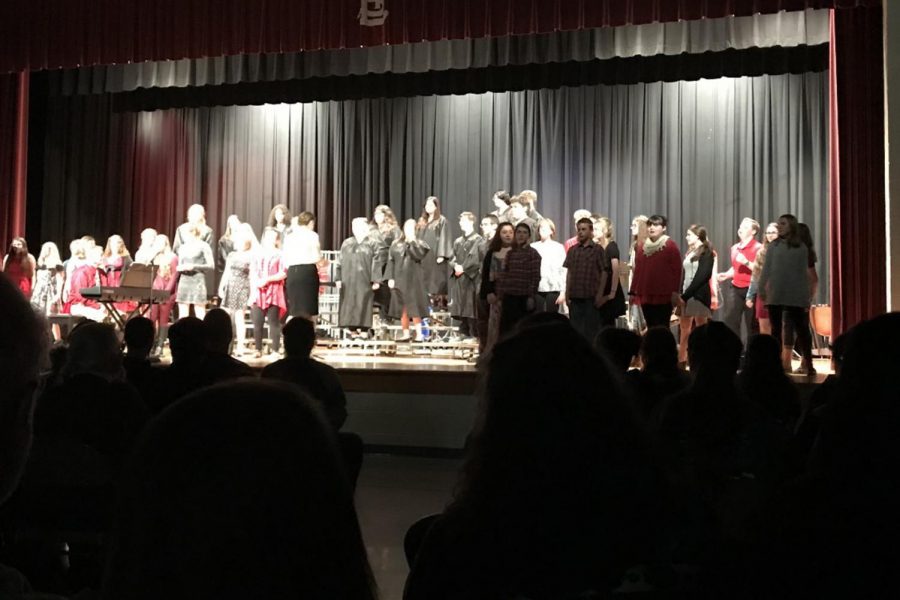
(424, 405)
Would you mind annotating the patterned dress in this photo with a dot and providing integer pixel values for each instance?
(45, 297)
(192, 283)
(237, 286)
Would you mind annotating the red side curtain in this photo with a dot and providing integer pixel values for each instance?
(858, 278)
(50, 34)
(13, 155)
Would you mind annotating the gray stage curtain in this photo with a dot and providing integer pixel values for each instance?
(784, 29)
(708, 152)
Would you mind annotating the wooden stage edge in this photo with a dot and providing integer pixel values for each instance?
(394, 374)
(438, 376)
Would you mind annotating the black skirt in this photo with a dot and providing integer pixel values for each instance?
(302, 288)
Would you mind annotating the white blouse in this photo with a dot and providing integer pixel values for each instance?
(553, 274)
(301, 247)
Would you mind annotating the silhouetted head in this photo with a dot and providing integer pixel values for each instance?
(23, 354)
(539, 415)
(139, 336)
(299, 337)
(763, 356)
(547, 443)
(714, 353)
(187, 340)
(659, 353)
(237, 491)
(219, 331)
(94, 348)
(620, 346)
(838, 348)
(859, 433)
(542, 318)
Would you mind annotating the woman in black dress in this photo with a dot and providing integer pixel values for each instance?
(615, 297)
(434, 229)
(382, 233)
(409, 298)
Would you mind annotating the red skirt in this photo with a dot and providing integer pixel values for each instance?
(761, 311)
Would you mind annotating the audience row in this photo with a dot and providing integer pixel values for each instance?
(583, 478)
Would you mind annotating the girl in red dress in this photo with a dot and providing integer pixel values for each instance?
(267, 275)
(166, 263)
(115, 261)
(19, 266)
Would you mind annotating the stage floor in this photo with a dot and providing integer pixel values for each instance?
(409, 373)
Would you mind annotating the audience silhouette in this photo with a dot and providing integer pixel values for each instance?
(237, 491)
(220, 365)
(581, 478)
(659, 376)
(558, 495)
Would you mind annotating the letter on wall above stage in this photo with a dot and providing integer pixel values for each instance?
(372, 13)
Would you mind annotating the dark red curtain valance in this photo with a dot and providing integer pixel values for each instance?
(51, 34)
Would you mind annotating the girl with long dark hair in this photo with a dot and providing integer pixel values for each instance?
(785, 287)
(435, 230)
(19, 266)
(405, 278)
(491, 272)
(694, 306)
(279, 218)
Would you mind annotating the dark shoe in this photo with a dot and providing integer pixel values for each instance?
(807, 370)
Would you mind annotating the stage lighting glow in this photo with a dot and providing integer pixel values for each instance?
(148, 126)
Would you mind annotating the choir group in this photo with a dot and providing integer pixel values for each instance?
(487, 280)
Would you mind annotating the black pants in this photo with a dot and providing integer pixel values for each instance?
(351, 447)
(271, 313)
(482, 312)
(736, 312)
(799, 319)
(514, 310)
(546, 302)
(584, 317)
(467, 326)
(657, 315)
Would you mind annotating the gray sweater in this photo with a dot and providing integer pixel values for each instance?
(784, 280)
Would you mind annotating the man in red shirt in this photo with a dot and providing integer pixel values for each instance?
(743, 254)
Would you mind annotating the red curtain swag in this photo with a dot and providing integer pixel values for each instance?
(51, 34)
